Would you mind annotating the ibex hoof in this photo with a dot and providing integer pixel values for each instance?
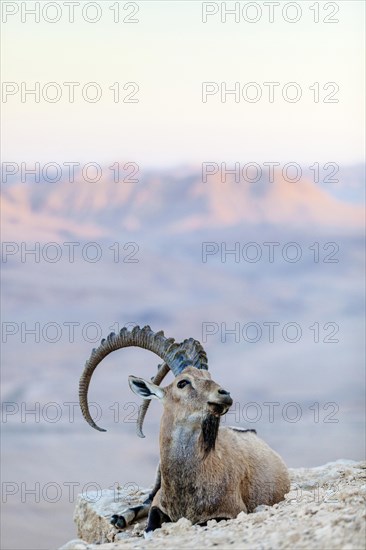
(118, 521)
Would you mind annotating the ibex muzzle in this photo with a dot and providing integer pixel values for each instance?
(222, 405)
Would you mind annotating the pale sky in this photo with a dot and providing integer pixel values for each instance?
(169, 53)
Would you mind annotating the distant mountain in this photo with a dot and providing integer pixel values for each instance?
(174, 202)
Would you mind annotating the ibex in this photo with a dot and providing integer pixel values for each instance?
(205, 471)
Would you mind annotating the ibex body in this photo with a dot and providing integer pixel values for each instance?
(206, 471)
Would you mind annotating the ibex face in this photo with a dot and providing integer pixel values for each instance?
(190, 397)
(193, 405)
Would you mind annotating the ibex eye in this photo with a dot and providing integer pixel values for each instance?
(182, 383)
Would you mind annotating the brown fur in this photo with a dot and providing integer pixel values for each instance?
(209, 471)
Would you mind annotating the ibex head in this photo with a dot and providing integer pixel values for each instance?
(192, 394)
(192, 401)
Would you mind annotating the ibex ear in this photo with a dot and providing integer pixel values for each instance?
(145, 389)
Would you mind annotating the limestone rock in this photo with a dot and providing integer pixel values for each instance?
(93, 513)
(75, 544)
(324, 509)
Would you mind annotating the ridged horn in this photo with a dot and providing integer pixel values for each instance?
(176, 356)
(157, 379)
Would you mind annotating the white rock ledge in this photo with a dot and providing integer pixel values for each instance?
(325, 509)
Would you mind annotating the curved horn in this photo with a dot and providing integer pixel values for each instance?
(157, 379)
(198, 359)
(176, 356)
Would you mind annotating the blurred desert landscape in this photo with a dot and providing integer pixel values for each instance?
(173, 286)
(268, 273)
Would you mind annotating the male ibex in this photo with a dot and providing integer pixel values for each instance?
(206, 471)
